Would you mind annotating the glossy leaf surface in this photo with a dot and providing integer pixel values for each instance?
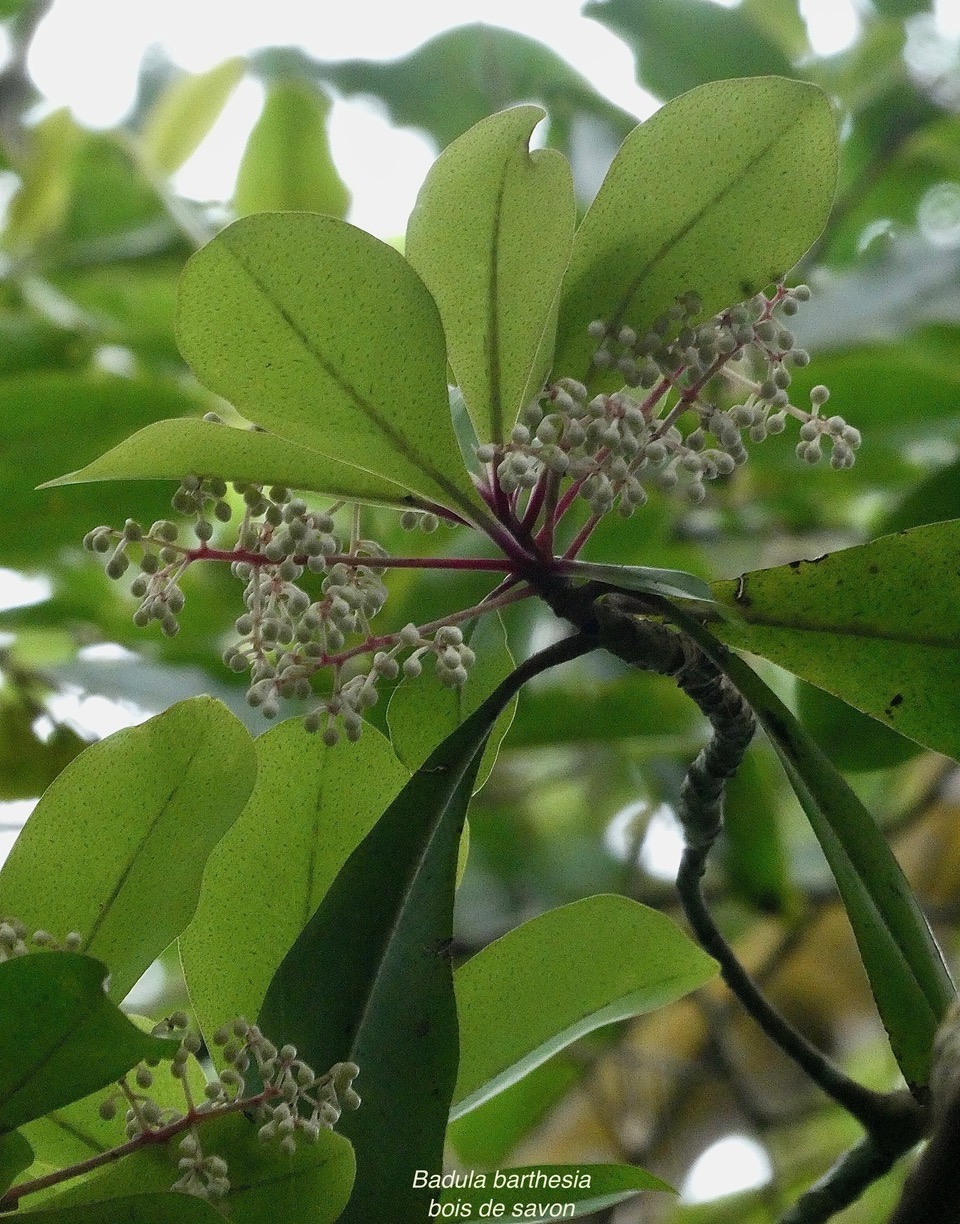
(325, 335)
(68, 1037)
(877, 625)
(16, 1154)
(310, 808)
(388, 915)
(286, 165)
(719, 193)
(607, 1185)
(490, 236)
(168, 450)
(95, 856)
(629, 959)
(910, 982)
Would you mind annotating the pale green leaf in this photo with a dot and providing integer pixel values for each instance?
(170, 450)
(310, 808)
(325, 335)
(877, 625)
(719, 193)
(116, 847)
(286, 165)
(46, 179)
(490, 235)
(630, 959)
(185, 112)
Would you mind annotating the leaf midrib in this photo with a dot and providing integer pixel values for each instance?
(675, 239)
(369, 410)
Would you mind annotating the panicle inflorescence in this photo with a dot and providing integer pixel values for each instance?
(311, 591)
(616, 445)
(289, 1101)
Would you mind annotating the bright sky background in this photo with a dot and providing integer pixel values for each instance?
(98, 85)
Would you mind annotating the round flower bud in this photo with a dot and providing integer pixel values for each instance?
(597, 329)
(107, 1109)
(819, 394)
(144, 1078)
(117, 565)
(288, 1145)
(331, 736)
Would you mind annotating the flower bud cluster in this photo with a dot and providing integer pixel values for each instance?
(308, 591)
(293, 1102)
(296, 1102)
(615, 445)
(15, 940)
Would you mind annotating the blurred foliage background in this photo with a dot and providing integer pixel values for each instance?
(581, 800)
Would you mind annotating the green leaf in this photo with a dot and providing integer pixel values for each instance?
(61, 1035)
(465, 74)
(286, 165)
(309, 810)
(388, 918)
(50, 421)
(672, 584)
(40, 204)
(422, 711)
(853, 741)
(490, 235)
(910, 983)
(184, 114)
(876, 625)
(131, 1209)
(719, 193)
(680, 44)
(169, 450)
(325, 335)
(16, 1154)
(632, 960)
(95, 855)
(76, 1132)
(754, 856)
(588, 1188)
(310, 1187)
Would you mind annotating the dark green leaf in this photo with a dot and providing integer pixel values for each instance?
(286, 165)
(95, 855)
(680, 44)
(461, 76)
(132, 1209)
(490, 235)
(388, 918)
(588, 1187)
(16, 1154)
(61, 1036)
(310, 808)
(877, 625)
(283, 312)
(754, 856)
(910, 982)
(853, 741)
(632, 959)
(720, 193)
